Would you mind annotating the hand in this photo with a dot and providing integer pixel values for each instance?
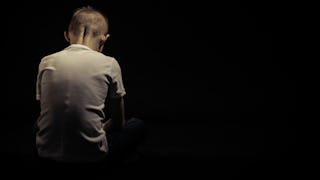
(106, 126)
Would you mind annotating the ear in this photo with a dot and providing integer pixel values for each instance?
(104, 37)
(66, 36)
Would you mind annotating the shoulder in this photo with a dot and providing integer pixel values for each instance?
(108, 59)
(51, 56)
(45, 61)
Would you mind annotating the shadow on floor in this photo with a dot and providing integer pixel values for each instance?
(151, 166)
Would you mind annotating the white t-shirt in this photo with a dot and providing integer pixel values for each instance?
(72, 86)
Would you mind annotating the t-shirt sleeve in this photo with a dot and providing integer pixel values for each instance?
(38, 82)
(116, 88)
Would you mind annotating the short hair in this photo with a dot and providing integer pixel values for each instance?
(90, 21)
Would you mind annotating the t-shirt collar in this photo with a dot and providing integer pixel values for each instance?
(78, 46)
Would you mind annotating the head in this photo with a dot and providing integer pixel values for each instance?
(89, 27)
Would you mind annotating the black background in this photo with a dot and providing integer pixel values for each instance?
(213, 81)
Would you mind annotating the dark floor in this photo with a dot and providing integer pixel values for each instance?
(219, 150)
(152, 166)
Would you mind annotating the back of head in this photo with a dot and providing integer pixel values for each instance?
(88, 22)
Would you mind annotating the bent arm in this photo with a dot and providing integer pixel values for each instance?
(117, 113)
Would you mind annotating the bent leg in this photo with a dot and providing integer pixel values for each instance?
(124, 144)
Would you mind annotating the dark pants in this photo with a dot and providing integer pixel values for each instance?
(123, 145)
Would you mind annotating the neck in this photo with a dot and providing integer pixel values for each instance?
(88, 41)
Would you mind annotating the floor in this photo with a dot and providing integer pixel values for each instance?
(181, 150)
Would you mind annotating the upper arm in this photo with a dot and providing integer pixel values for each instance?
(116, 83)
(115, 97)
(38, 81)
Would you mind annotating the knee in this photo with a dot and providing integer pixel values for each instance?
(136, 123)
